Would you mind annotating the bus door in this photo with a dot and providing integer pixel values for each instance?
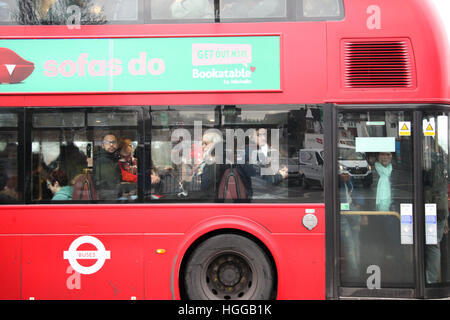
(435, 167)
(393, 203)
(375, 199)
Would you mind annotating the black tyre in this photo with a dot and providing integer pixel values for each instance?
(228, 267)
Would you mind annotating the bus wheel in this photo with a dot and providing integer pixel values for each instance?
(228, 267)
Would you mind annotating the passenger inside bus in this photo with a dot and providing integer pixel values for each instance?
(206, 173)
(8, 174)
(270, 167)
(128, 167)
(212, 174)
(7, 194)
(106, 171)
(267, 153)
(8, 170)
(386, 198)
(382, 179)
(58, 184)
(385, 224)
(436, 191)
(71, 160)
(127, 162)
(350, 228)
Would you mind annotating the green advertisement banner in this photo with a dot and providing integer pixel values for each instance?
(199, 64)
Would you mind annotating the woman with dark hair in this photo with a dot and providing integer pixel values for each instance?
(57, 182)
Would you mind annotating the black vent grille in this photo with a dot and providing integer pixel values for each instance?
(378, 64)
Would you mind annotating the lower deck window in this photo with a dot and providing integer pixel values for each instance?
(229, 153)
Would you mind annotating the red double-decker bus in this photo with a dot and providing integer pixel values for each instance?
(223, 149)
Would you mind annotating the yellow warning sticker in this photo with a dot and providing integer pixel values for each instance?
(428, 129)
(404, 128)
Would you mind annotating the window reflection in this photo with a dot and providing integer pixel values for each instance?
(321, 8)
(195, 148)
(183, 10)
(70, 12)
(230, 9)
(6, 8)
(59, 12)
(192, 9)
(120, 10)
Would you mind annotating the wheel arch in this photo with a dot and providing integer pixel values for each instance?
(224, 225)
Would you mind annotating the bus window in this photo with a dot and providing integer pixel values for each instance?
(436, 182)
(75, 148)
(6, 10)
(76, 12)
(121, 10)
(194, 148)
(183, 10)
(321, 8)
(375, 169)
(9, 181)
(236, 9)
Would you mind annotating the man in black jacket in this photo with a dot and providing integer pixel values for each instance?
(106, 172)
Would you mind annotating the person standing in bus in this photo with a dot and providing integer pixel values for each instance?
(6, 194)
(128, 169)
(386, 225)
(127, 162)
(436, 191)
(350, 227)
(106, 171)
(128, 165)
(209, 171)
(265, 154)
(383, 176)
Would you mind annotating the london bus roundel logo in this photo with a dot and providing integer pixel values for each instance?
(100, 255)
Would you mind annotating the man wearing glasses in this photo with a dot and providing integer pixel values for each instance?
(106, 171)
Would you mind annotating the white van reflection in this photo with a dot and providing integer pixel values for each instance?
(356, 164)
(311, 167)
